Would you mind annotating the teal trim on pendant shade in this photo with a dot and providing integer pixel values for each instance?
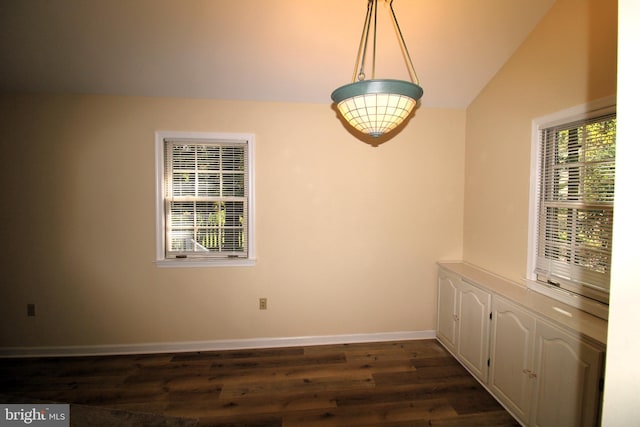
(363, 87)
(376, 107)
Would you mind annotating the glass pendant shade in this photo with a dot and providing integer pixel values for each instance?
(377, 106)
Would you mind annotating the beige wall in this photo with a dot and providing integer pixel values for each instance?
(569, 59)
(347, 234)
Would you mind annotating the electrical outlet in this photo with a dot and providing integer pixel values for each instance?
(31, 310)
(263, 304)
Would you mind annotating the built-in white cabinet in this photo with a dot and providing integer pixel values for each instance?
(463, 322)
(447, 319)
(512, 373)
(567, 374)
(544, 373)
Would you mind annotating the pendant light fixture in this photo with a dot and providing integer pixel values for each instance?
(376, 106)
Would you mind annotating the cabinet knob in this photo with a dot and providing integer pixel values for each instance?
(529, 373)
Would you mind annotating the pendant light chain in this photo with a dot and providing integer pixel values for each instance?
(372, 13)
(362, 48)
(375, 39)
(412, 70)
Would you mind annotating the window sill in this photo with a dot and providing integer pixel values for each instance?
(585, 304)
(194, 263)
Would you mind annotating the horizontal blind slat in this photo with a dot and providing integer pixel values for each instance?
(205, 189)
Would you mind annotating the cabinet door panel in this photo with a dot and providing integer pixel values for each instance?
(473, 333)
(568, 374)
(511, 372)
(447, 312)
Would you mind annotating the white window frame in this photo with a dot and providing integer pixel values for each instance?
(161, 259)
(595, 108)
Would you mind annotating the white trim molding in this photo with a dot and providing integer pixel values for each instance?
(217, 345)
(588, 110)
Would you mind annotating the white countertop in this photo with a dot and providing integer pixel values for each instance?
(566, 316)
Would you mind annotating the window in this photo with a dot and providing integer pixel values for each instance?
(204, 206)
(573, 213)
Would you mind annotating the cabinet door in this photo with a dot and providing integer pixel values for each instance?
(473, 328)
(511, 376)
(568, 376)
(446, 330)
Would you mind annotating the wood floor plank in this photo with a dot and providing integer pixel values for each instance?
(408, 391)
(268, 420)
(257, 406)
(374, 414)
(401, 384)
(309, 370)
(487, 419)
(278, 361)
(348, 382)
(239, 354)
(472, 402)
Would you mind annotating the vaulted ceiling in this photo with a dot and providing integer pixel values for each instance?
(264, 50)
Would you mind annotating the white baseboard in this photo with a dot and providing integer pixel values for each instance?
(218, 345)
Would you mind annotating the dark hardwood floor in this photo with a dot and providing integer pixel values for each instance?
(408, 383)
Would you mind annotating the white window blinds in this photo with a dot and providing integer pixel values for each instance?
(575, 207)
(206, 198)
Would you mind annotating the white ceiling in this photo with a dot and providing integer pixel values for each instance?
(265, 50)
